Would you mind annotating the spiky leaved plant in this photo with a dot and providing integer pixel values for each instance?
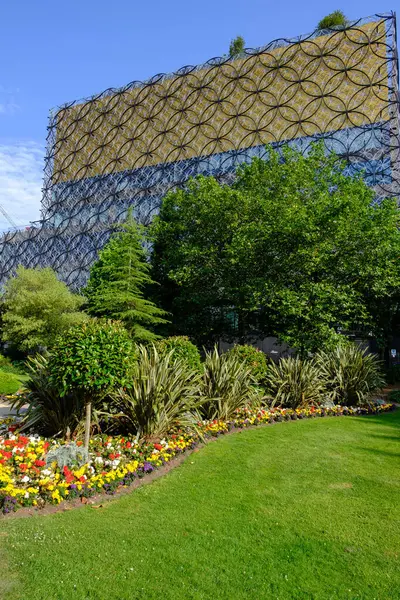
(164, 393)
(293, 383)
(47, 412)
(350, 374)
(227, 384)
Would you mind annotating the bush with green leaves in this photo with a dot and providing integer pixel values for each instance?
(350, 374)
(227, 385)
(294, 383)
(254, 359)
(48, 412)
(164, 393)
(182, 349)
(334, 20)
(8, 366)
(37, 308)
(92, 359)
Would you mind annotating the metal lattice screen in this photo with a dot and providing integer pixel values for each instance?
(129, 146)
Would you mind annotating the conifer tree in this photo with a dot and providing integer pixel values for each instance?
(117, 281)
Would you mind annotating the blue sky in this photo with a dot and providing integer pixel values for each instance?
(54, 52)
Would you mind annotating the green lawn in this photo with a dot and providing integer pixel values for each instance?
(302, 510)
(11, 382)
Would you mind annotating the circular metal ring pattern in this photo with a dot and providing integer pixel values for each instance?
(129, 146)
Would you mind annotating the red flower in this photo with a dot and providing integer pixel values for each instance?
(128, 444)
(79, 443)
(158, 446)
(40, 463)
(23, 467)
(6, 454)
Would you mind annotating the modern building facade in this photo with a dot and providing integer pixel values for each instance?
(129, 146)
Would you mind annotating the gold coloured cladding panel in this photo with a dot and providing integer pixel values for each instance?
(316, 86)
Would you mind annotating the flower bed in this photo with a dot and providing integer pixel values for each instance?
(28, 478)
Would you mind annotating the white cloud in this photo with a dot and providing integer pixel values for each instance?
(21, 180)
(9, 108)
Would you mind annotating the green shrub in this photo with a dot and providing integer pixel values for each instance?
(8, 366)
(350, 374)
(293, 383)
(227, 384)
(334, 20)
(47, 412)
(182, 349)
(254, 359)
(9, 383)
(164, 393)
(92, 359)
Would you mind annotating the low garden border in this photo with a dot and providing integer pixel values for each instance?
(117, 463)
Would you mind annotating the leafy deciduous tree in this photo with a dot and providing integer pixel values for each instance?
(295, 245)
(37, 308)
(236, 46)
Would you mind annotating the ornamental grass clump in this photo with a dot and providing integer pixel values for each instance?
(350, 374)
(294, 383)
(227, 385)
(48, 412)
(163, 394)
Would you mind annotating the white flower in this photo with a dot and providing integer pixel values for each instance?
(25, 479)
(115, 463)
(26, 495)
(46, 472)
(98, 460)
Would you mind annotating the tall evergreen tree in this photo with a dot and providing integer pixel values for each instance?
(117, 282)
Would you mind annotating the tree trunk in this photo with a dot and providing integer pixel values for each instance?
(88, 423)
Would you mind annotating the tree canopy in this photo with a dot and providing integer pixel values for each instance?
(295, 248)
(117, 283)
(37, 307)
(236, 46)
